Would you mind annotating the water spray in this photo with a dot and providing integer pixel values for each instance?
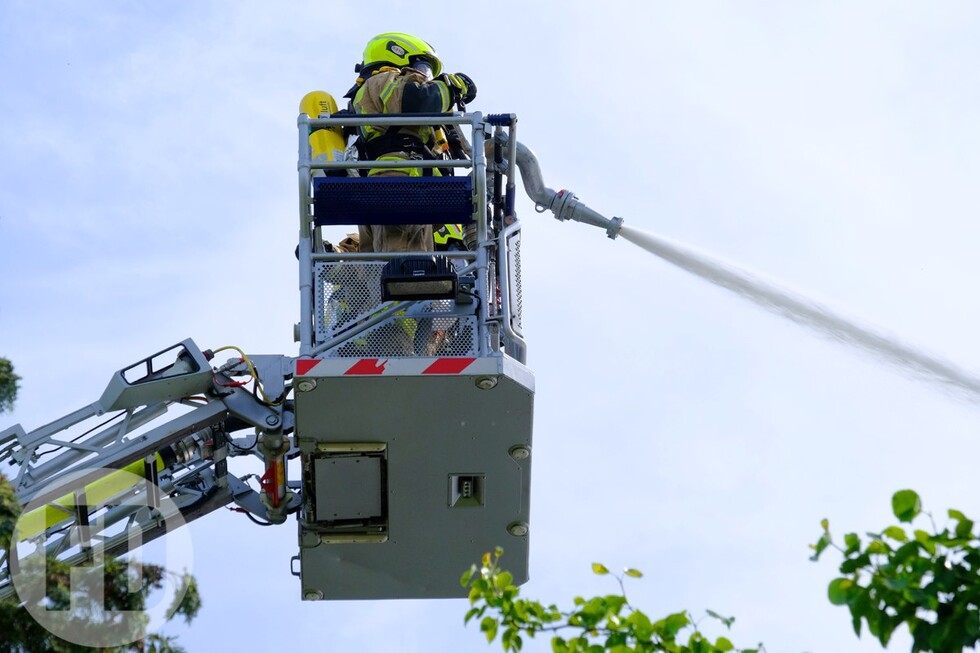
(782, 302)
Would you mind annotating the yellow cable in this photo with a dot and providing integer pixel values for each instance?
(251, 370)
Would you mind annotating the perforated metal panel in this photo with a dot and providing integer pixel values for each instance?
(392, 200)
(514, 283)
(348, 302)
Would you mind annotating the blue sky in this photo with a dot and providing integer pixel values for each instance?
(148, 194)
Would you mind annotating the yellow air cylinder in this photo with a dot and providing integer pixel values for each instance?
(325, 144)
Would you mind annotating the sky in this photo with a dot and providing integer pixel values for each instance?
(148, 195)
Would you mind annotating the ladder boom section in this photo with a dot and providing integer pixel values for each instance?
(158, 439)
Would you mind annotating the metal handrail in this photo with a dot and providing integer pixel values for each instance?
(477, 260)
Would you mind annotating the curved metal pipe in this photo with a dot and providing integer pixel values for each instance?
(564, 204)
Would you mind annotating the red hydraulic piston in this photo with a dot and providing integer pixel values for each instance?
(273, 481)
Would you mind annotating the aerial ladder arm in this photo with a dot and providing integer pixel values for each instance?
(78, 482)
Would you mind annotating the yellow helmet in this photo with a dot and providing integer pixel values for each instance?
(448, 236)
(401, 50)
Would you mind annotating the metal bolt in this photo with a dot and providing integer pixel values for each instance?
(486, 382)
(518, 529)
(312, 595)
(306, 385)
(520, 452)
(272, 420)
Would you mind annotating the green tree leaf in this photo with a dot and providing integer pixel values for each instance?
(926, 540)
(728, 621)
(503, 580)
(676, 622)
(906, 505)
(820, 546)
(897, 533)
(839, 590)
(964, 528)
(489, 627)
(600, 569)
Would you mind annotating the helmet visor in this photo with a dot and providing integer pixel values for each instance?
(423, 67)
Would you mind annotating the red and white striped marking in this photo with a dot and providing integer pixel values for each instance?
(393, 366)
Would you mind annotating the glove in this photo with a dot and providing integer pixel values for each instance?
(461, 87)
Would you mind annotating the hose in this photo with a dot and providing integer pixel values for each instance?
(564, 204)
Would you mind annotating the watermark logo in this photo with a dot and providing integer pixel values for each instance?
(63, 569)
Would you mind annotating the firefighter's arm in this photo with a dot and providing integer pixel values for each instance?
(438, 95)
(427, 97)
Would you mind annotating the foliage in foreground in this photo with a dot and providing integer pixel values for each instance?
(9, 384)
(927, 579)
(602, 623)
(22, 634)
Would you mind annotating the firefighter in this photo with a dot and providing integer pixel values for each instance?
(401, 73)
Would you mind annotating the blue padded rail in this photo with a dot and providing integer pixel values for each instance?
(392, 200)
